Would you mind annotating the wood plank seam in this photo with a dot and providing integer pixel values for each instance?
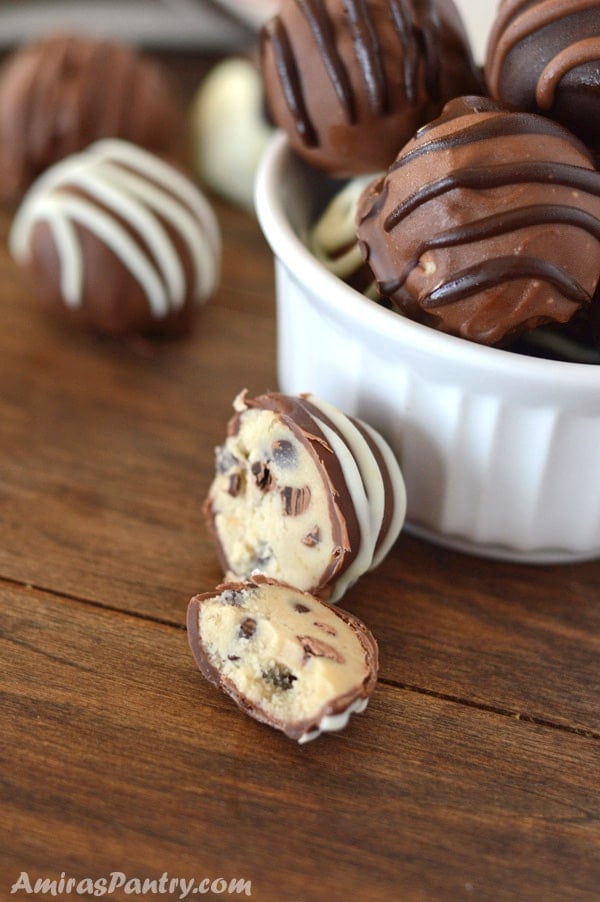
(78, 599)
(393, 684)
(491, 709)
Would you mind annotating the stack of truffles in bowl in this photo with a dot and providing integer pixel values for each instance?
(436, 232)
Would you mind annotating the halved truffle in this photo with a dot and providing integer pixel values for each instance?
(285, 657)
(304, 494)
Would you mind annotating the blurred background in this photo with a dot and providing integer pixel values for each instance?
(214, 25)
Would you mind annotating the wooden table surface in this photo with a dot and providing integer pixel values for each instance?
(474, 773)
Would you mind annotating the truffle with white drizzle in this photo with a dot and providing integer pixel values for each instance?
(286, 658)
(303, 493)
(118, 240)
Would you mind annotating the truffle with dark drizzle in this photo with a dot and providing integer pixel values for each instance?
(502, 232)
(351, 81)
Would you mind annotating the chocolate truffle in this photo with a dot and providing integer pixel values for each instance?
(487, 224)
(60, 94)
(350, 82)
(285, 657)
(304, 494)
(118, 241)
(544, 56)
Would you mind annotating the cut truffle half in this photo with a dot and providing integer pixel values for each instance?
(304, 494)
(287, 658)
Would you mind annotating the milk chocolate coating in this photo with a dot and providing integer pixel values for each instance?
(119, 242)
(350, 82)
(303, 493)
(60, 94)
(487, 224)
(544, 56)
(286, 658)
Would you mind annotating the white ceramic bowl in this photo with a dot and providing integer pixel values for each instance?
(499, 451)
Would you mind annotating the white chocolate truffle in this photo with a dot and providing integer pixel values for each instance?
(287, 658)
(229, 129)
(304, 494)
(334, 242)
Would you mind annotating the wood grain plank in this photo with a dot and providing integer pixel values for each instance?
(118, 756)
(102, 496)
(527, 637)
(250, 282)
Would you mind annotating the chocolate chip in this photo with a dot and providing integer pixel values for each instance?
(316, 648)
(284, 454)
(326, 628)
(280, 677)
(312, 538)
(262, 475)
(235, 484)
(247, 628)
(295, 501)
(234, 597)
(233, 657)
(301, 608)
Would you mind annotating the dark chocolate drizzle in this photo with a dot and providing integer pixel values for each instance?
(285, 63)
(323, 33)
(369, 55)
(419, 40)
(500, 224)
(430, 39)
(405, 26)
(502, 126)
(486, 177)
(491, 273)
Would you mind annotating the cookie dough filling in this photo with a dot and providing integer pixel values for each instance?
(286, 657)
(273, 505)
(303, 494)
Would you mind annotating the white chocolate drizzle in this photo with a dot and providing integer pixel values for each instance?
(399, 493)
(117, 182)
(332, 722)
(366, 486)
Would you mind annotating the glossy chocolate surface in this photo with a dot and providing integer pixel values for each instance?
(487, 225)
(545, 57)
(350, 82)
